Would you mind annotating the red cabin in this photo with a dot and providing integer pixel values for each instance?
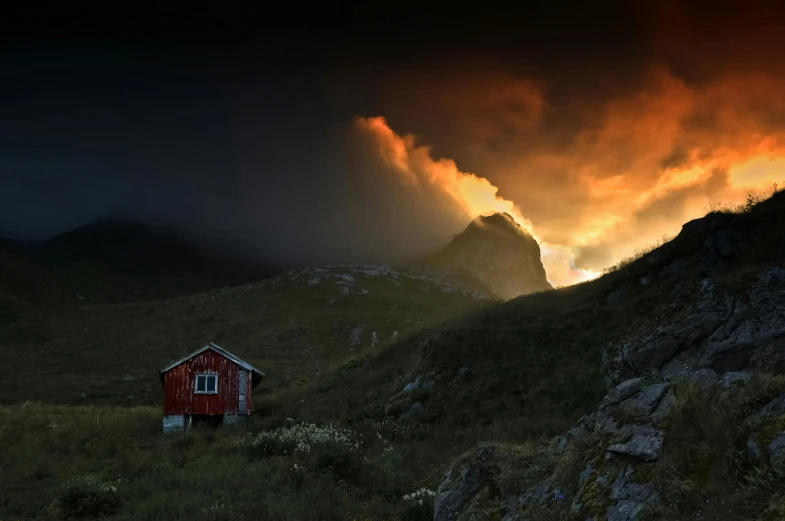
(210, 385)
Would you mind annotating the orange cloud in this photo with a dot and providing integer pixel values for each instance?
(602, 168)
(472, 195)
(649, 162)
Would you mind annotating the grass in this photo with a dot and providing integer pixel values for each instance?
(714, 209)
(296, 331)
(638, 253)
(513, 373)
(705, 469)
(752, 200)
(62, 462)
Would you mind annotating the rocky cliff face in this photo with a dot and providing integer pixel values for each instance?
(693, 425)
(701, 397)
(500, 253)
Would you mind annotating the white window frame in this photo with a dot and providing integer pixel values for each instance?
(205, 375)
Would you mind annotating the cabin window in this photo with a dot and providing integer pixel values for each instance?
(206, 384)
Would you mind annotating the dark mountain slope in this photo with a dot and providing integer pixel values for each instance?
(122, 261)
(536, 362)
(693, 423)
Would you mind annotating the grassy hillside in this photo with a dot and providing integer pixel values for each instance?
(296, 327)
(515, 373)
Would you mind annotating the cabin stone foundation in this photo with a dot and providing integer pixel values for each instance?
(174, 423)
(233, 418)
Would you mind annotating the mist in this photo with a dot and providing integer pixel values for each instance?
(303, 197)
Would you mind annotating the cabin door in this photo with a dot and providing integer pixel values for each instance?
(241, 387)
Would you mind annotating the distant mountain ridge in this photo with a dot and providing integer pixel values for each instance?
(500, 253)
(119, 261)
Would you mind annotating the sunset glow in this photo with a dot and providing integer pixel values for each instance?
(613, 196)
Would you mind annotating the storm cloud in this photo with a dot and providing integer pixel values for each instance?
(317, 144)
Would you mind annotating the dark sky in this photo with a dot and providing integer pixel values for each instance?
(237, 124)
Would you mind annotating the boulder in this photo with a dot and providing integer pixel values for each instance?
(729, 379)
(621, 392)
(644, 445)
(664, 407)
(646, 401)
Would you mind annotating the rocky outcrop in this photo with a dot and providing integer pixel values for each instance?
(464, 480)
(407, 405)
(710, 328)
(500, 253)
(616, 450)
(696, 390)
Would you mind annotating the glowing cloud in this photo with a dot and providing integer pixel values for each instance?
(472, 194)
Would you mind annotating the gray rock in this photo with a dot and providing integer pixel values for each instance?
(728, 379)
(509, 505)
(708, 329)
(753, 449)
(427, 384)
(127, 378)
(536, 494)
(644, 445)
(648, 399)
(580, 428)
(664, 407)
(674, 368)
(464, 371)
(622, 391)
(776, 451)
(703, 378)
(462, 482)
(625, 510)
(357, 335)
(776, 407)
(560, 445)
(645, 281)
(607, 424)
(624, 487)
(771, 275)
(584, 475)
(411, 386)
(414, 410)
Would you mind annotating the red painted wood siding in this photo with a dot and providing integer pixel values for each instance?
(179, 395)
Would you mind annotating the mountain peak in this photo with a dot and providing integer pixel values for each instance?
(500, 222)
(500, 253)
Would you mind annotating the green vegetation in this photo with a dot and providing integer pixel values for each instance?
(705, 469)
(63, 462)
(290, 326)
(325, 442)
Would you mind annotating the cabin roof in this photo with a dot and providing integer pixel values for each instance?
(257, 374)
